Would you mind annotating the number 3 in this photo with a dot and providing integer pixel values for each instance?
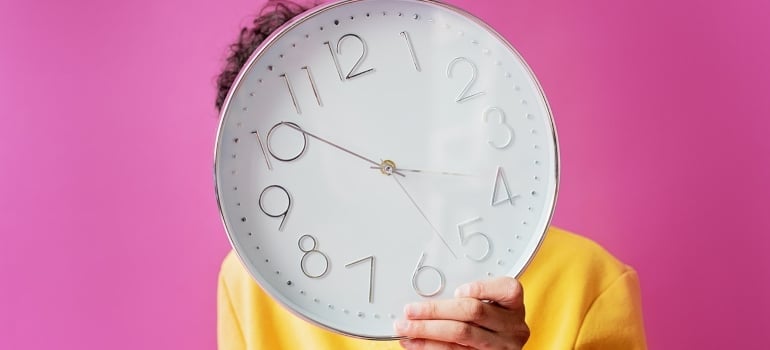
(502, 122)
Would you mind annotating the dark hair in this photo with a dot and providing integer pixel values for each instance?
(274, 14)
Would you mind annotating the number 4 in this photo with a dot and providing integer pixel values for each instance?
(500, 178)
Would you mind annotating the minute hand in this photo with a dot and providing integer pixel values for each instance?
(422, 213)
(334, 145)
(434, 172)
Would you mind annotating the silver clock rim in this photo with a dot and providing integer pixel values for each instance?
(279, 33)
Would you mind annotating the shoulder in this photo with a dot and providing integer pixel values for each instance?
(231, 269)
(239, 288)
(232, 274)
(563, 254)
(249, 318)
(238, 284)
(563, 284)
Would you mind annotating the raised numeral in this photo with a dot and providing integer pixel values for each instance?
(411, 50)
(335, 57)
(293, 95)
(500, 121)
(467, 237)
(419, 270)
(282, 214)
(309, 252)
(465, 94)
(371, 274)
(264, 151)
(270, 146)
(312, 85)
(500, 178)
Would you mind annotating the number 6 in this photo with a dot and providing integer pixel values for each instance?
(420, 268)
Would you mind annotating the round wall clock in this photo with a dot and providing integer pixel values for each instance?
(373, 153)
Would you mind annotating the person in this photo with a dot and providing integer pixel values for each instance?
(578, 296)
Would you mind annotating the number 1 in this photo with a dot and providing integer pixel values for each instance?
(411, 50)
(264, 152)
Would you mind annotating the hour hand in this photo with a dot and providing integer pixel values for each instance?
(296, 127)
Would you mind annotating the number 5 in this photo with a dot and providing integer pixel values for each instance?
(465, 237)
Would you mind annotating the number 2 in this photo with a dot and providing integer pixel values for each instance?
(465, 94)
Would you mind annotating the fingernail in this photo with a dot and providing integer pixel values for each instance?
(401, 325)
(412, 309)
(463, 291)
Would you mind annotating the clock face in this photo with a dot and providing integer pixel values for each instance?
(376, 153)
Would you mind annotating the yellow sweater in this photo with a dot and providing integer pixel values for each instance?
(577, 297)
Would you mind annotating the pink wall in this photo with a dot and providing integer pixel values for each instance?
(107, 131)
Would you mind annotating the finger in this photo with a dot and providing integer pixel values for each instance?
(505, 291)
(425, 344)
(471, 310)
(448, 331)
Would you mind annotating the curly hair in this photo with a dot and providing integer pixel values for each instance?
(274, 14)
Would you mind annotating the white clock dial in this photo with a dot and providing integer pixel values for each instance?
(379, 152)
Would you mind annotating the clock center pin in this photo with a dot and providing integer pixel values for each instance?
(387, 167)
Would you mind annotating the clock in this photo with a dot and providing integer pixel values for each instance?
(373, 153)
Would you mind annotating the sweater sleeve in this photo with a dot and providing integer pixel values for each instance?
(229, 334)
(614, 319)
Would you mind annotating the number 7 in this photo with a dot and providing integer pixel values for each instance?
(371, 274)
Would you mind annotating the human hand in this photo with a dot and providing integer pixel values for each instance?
(483, 315)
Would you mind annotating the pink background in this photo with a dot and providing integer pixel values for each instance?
(109, 232)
